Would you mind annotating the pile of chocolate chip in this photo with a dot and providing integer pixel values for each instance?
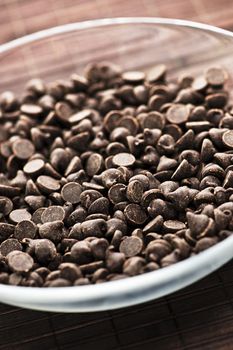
(113, 174)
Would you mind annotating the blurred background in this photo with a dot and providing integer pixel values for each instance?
(21, 17)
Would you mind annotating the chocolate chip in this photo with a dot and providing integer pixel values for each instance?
(9, 245)
(228, 181)
(9, 191)
(59, 282)
(185, 169)
(178, 113)
(93, 228)
(34, 167)
(131, 246)
(197, 223)
(227, 138)
(173, 225)
(52, 230)
(207, 150)
(70, 271)
(117, 193)
(186, 140)
(154, 120)
(216, 76)
(31, 109)
(115, 261)
(99, 247)
(23, 149)
(94, 164)
(135, 191)
(87, 197)
(205, 243)
(165, 145)
(31, 188)
(116, 239)
(171, 258)
(19, 261)
(63, 111)
(71, 192)
(133, 77)
(35, 202)
(112, 176)
(81, 253)
(199, 84)
(181, 197)
(79, 116)
(129, 123)
(216, 100)
(124, 159)
(53, 213)
(47, 184)
(135, 214)
(111, 120)
(25, 229)
(166, 163)
(6, 205)
(45, 250)
(6, 230)
(133, 266)
(154, 225)
(82, 282)
(156, 73)
(19, 215)
(157, 249)
(156, 102)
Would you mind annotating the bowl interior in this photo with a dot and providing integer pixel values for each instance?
(132, 43)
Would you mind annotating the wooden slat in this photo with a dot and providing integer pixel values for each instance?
(20, 17)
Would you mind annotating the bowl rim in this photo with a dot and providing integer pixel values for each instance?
(89, 24)
(160, 282)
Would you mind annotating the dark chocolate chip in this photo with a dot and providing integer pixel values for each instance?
(71, 192)
(131, 246)
(6, 205)
(94, 164)
(227, 138)
(133, 77)
(19, 215)
(81, 253)
(178, 113)
(19, 261)
(157, 73)
(45, 250)
(135, 214)
(23, 149)
(53, 213)
(173, 225)
(123, 159)
(52, 230)
(48, 184)
(135, 191)
(216, 76)
(9, 245)
(25, 229)
(115, 261)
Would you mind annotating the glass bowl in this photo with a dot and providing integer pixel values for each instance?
(134, 43)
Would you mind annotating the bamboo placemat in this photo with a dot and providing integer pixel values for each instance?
(198, 317)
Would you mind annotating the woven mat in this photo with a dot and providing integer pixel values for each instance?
(198, 317)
